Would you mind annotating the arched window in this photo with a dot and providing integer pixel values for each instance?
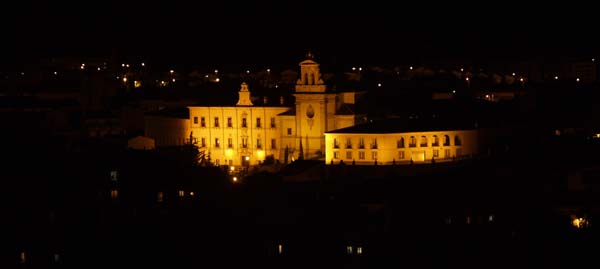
(400, 143)
(446, 140)
(457, 141)
(423, 141)
(412, 142)
(435, 142)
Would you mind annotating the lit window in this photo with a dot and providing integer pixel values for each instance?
(435, 141)
(349, 249)
(447, 153)
(160, 197)
(423, 141)
(400, 155)
(349, 155)
(361, 155)
(374, 155)
(491, 218)
(280, 249)
(336, 154)
(361, 143)
(230, 142)
(348, 143)
(412, 142)
(217, 143)
(181, 193)
(203, 142)
(114, 194)
(446, 140)
(229, 123)
(374, 143)
(436, 153)
(114, 175)
(359, 251)
(336, 144)
(244, 142)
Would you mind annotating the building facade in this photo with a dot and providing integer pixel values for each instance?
(245, 134)
(370, 145)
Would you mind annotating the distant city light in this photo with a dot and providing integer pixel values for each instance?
(122, 65)
(171, 71)
(55, 73)
(593, 59)
(22, 73)
(234, 179)
(276, 86)
(521, 79)
(378, 84)
(360, 69)
(143, 64)
(487, 96)
(231, 168)
(359, 251)
(124, 79)
(555, 77)
(513, 74)
(411, 68)
(191, 193)
(462, 69)
(353, 68)
(127, 65)
(268, 70)
(98, 68)
(453, 91)
(173, 80)
(467, 79)
(216, 71)
(118, 77)
(247, 71)
(577, 79)
(217, 79)
(206, 76)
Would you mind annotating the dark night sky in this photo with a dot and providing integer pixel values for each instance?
(278, 31)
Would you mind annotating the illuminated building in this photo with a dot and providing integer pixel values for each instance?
(399, 142)
(244, 133)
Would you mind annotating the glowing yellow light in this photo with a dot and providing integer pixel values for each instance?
(359, 250)
(114, 194)
(353, 68)
(513, 74)
(580, 223)
(191, 193)
(124, 79)
(173, 80)
(487, 96)
(217, 80)
(143, 64)
(137, 84)
(462, 69)
(247, 158)
(181, 193)
(411, 68)
(171, 71)
(577, 79)
(234, 179)
(349, 249)
(555, 77)
(521, 79)
(268, 70)
(280, 248)
(231, 168)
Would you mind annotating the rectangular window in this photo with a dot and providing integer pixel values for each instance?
(273, 143)
(400, 143)
(336, 144)
(412, 142)
(349, 155)
(202, 122)
(258, 143)
(258, 123)
(374, 155)
(401, 155)
(289, 131)
(217, 162)
(272, 122)
(229, 142)
(374, 143)
(244, 142)
(229, 122)
(195, 120)
(336, 154)
(203, 142)
(244, 125)
(361, 155)
(217, 143)
(361, 143)
(436, 153)
(447, 153)
(423, 141)
(216, 121)
(348, 143)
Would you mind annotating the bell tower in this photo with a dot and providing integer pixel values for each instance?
(310, 76)
(244, 96)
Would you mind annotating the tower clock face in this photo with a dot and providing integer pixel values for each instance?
(310, 112)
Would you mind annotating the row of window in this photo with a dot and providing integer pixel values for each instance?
(244, 143)
(230, 122)
(401, 154)
(412, 142)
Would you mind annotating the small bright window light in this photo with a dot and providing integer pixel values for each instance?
(411, 68)
(353, 68)
(513, 74)
(181, 193)
(231, 168)
(247, 71)
(378, 84)
(217, 79)
(359, 250)
(191, 193)
(349, 250)
(462, 69)
(555, 77)
(247, 158)
(235, 179)
(55, 73)
(360, 69)
(171, 71)
(143, 64)
(280, 248)
(577, 79)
